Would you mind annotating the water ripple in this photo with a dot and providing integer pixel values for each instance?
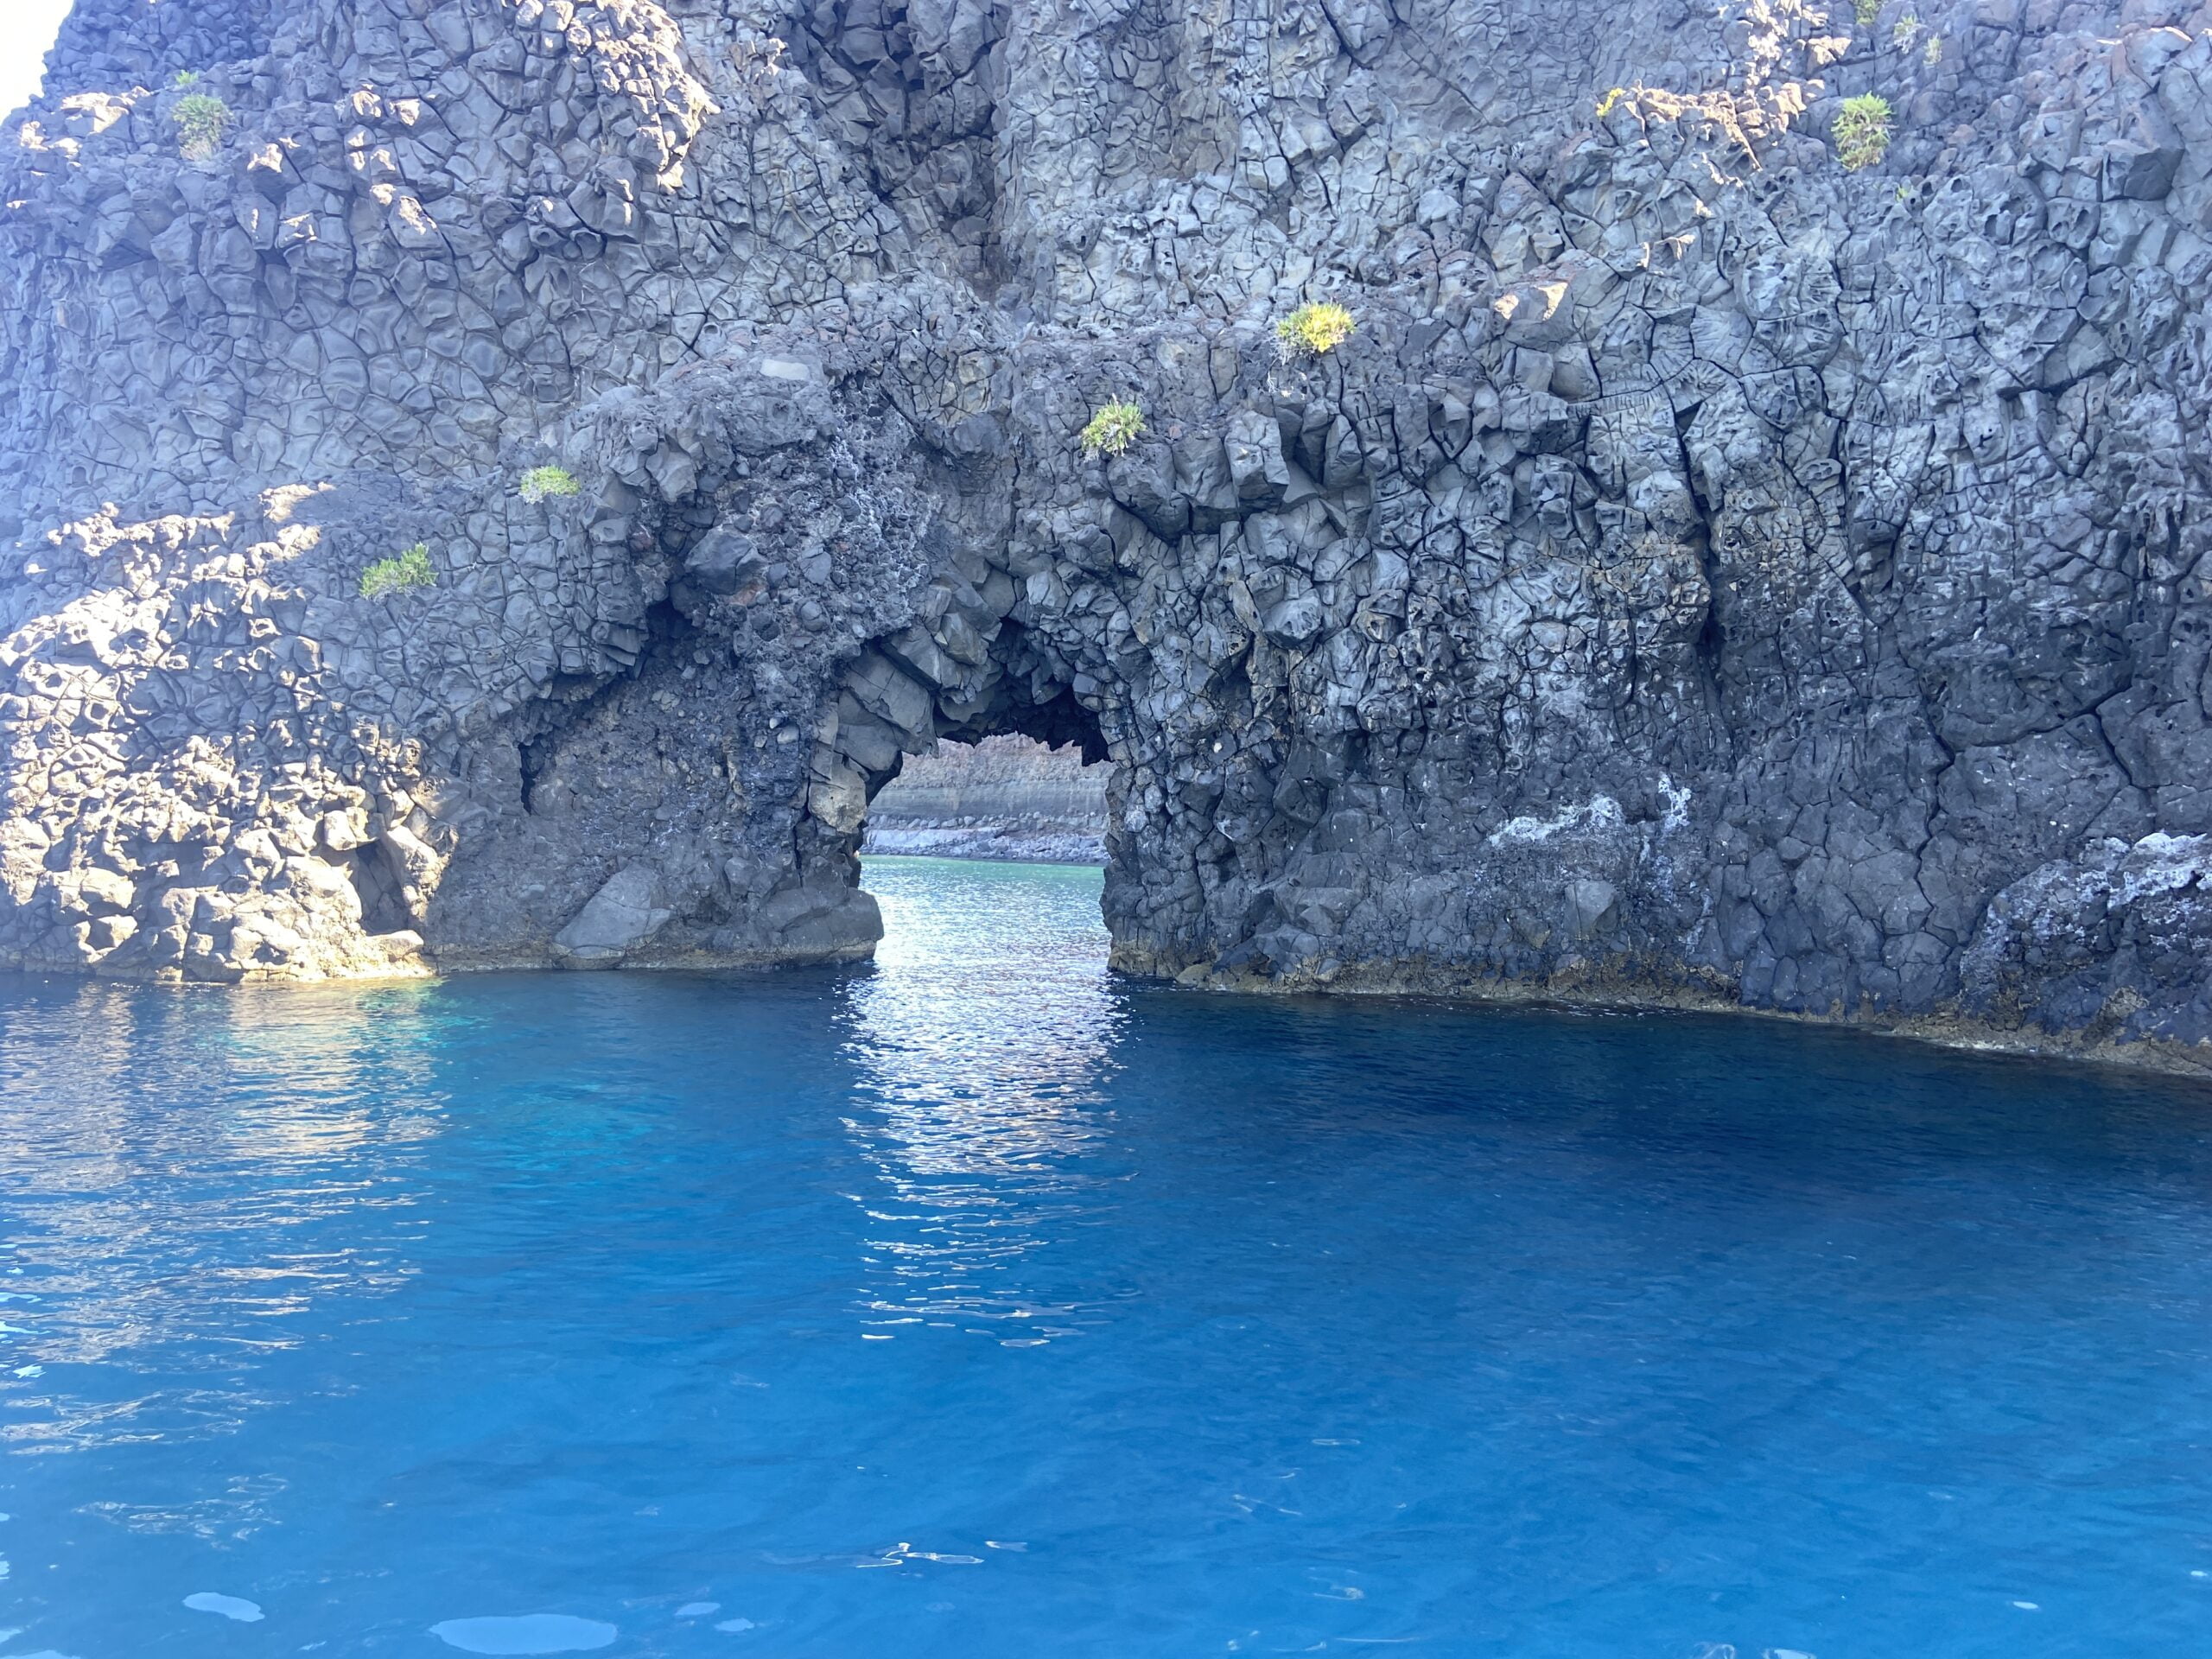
(191, 1173)
(984, 1040)
(530, 1306)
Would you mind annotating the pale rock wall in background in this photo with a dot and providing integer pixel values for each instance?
(1005, 797)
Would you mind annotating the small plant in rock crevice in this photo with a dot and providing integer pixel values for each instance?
(1907, 29)
(1865, 11)
(1114, 427)
(411, 569)
(201, 120)
(1861, 131)
(541, 482)
(1314, 329)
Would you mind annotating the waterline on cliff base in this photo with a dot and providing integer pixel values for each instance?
(975, 1303)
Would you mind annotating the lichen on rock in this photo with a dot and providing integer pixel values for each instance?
(1709, 573)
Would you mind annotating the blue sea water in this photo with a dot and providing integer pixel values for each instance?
(977, 1303)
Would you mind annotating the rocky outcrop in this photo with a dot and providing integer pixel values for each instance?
(1704, 574)
(1005, 797)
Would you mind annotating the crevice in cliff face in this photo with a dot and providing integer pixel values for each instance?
(384, 907)
(539, 726)
(917, 112)
(2104, 736)
(667, 628)
(1706, 649)
(531, 758)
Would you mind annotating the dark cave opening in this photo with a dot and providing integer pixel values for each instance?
(1062, 723)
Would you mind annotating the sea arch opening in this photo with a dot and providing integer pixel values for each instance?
(996, 761)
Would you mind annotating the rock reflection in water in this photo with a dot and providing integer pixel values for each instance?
(188, 1173)
(981, 1040)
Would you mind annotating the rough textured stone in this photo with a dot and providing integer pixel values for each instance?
(1704, 575)
(622, 916)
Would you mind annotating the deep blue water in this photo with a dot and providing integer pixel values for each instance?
(977, 1303)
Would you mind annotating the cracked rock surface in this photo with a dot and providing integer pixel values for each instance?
(1704, 575)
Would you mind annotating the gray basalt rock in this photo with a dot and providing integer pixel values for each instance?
(621, 916)
(1704, 575)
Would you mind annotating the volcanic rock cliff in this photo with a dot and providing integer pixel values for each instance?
(1708, 571)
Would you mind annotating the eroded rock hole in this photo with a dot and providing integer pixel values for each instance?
(384, 902)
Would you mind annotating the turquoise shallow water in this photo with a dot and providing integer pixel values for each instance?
(977, 1303)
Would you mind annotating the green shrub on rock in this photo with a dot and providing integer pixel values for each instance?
(1861, 130)
(411, 569)
(540, 482)
(201, 120)
(1114, 427)
(1314, 329)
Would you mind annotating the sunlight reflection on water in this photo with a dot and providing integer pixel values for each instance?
(982, 1040)
(143, 1255)
(542, 1311)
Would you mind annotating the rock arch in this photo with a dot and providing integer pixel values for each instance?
(823, 589)
(1706, 573)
